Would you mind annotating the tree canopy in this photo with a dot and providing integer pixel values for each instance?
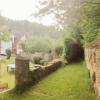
(64, 11)
(4, 33)
(90, 19)
(81, 15)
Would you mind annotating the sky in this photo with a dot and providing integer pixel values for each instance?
(22, 10)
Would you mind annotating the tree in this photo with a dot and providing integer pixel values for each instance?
(73, 51)
(90, 19)
(64, 11)
(83, 15)
(38, 44)
(2, 20)
(4, 33)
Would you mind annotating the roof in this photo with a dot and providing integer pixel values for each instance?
(95, 44)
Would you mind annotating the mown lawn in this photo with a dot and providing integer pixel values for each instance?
(7, 77)
(68, 83)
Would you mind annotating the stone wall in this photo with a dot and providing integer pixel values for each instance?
(22, 76)
(40, 72)
(92, 56)
(25, 77)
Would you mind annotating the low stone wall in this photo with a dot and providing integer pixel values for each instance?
(25, 77)
(92, 56)
(40, 72)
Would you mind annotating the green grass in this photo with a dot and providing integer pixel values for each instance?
(7, 77)
(68, 83)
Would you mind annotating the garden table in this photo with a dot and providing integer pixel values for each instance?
(10, 66)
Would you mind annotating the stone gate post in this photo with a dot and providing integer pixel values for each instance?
(22, 76)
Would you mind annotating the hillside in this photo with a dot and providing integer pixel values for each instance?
(25, 27)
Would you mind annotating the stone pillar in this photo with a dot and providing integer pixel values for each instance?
(22, 75)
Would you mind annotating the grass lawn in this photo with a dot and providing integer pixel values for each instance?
(68, 83)
(8, 77)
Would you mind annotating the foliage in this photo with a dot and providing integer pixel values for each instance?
(74, 34)
(4, 33)
(2, 20)
(24, 27)
(5, 36)
(90, 19)
(36, 60)
(83, 15)
(89, 37)
(59, 50)
(64, 11)
(67, 44)
(8, 53)
(67, 17)
(72, 51)
(27, 28)
(38, 44)
(43, 62)
(57, 43)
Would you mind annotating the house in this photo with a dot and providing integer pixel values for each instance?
(18, 37)
(12, 44)
(4, 45)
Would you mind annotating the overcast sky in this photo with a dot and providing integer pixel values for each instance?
(21, 10)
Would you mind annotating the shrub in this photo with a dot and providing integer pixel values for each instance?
(58, 50)
(72, 51)
(8, 53)
(38, 44)
(36, 60)
(67, 45)
(43, 62)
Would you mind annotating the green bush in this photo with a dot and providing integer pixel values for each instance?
(89, 37)
(38, 44)
(43, 62)
(58, 50)
(67, 44)
(36, 60)
(72, 51)
(8, 53)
